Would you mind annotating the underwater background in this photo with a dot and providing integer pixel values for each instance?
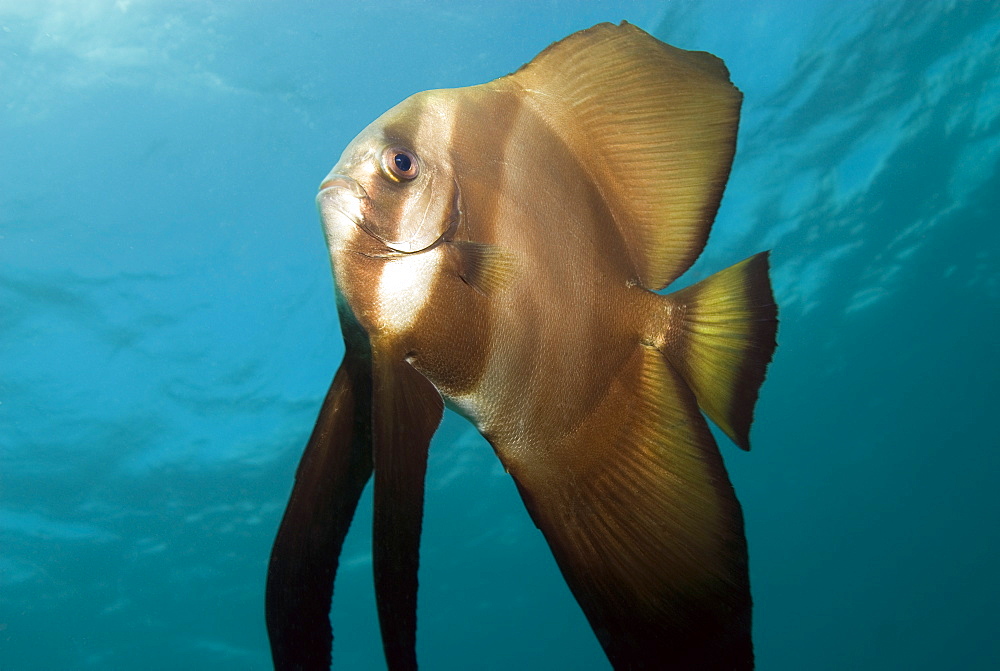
(168, 329)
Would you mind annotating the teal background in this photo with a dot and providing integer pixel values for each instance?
(167, 327)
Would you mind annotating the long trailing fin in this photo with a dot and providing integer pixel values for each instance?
(720, 335)
(655, 128)
(640, 516)
(334, 469)
(405, 413)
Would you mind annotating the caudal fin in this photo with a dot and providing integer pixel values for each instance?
(721, 336)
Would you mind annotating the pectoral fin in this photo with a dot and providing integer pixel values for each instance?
(406, 411)
(334, 469)
(638, 511)
(486, 268)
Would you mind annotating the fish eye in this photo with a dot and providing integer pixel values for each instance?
(400, 164)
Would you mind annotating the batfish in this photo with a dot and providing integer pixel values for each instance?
(500, 250)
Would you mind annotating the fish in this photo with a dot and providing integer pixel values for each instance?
(502, 250)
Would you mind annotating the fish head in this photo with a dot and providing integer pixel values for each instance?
(395, 183)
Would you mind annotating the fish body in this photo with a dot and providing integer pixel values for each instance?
(498, 249)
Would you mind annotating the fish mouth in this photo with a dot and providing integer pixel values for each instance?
(335, 181)
(344, 195)
(340, 202)
(341, 196)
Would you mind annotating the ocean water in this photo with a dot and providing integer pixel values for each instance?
(167, 328)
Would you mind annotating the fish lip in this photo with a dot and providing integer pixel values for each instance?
(338, 181)
(343, 194)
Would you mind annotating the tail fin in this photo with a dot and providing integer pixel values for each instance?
(720, 336)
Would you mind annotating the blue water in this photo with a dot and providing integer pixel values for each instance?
(167, 328)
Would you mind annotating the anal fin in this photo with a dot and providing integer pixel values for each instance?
(642, 520)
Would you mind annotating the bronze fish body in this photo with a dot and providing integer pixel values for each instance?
(497, 248)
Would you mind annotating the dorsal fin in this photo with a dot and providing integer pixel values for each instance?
(655, 126)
